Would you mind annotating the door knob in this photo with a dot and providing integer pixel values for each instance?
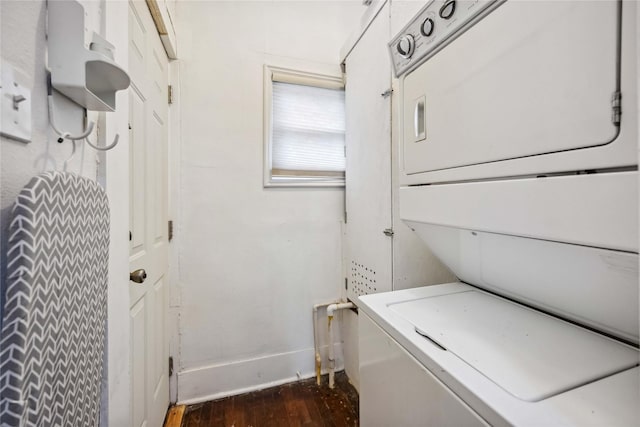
(138, 276)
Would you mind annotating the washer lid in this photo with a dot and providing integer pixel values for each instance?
(529, 354)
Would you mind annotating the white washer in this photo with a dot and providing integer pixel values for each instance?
(519, 170)
(454, 355)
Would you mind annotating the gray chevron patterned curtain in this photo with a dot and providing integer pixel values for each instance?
(54, 318)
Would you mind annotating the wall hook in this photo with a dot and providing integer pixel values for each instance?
(62, 134)
(67, 135)
(73, 153)
(106, 148)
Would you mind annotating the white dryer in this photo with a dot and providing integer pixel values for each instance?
(519, 147)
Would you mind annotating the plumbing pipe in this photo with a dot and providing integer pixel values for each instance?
(316, 343)
(332, 360)
(338, 306)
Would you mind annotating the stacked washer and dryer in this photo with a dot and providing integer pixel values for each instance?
(519, 155)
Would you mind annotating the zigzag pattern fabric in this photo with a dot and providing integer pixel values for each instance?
(53, 331)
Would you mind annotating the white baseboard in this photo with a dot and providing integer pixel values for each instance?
(212, 382)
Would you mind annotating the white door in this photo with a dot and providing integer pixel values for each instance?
(368, 177)
(148, 67)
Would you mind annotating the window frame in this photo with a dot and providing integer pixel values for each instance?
(278, 74)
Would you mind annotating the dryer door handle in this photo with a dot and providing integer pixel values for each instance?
(419, 119)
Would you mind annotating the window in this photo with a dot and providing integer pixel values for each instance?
(304, 129)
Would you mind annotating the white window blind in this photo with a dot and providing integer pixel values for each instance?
(307, 135)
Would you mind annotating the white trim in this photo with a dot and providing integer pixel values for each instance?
(115, 165)
(266, 125)
(164, 27)
(175, 210)
(228, 379)
(293, 183)
(285, 75)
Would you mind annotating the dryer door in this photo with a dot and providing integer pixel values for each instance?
(530, 78)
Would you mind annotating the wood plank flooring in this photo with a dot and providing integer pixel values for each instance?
(174, 416)
(302, 403)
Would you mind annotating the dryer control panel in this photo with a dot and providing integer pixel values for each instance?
(439, 22)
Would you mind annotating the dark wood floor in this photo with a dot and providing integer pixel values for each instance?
(302, 403)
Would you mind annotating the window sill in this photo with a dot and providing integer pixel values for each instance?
(303, 184)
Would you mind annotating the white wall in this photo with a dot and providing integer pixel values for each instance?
(23, 46)
(252, 261)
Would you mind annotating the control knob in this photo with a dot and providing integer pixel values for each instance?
(448, 9)
(427, 27)
(405, 46)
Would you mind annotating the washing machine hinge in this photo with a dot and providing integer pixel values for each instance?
(615, 106)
